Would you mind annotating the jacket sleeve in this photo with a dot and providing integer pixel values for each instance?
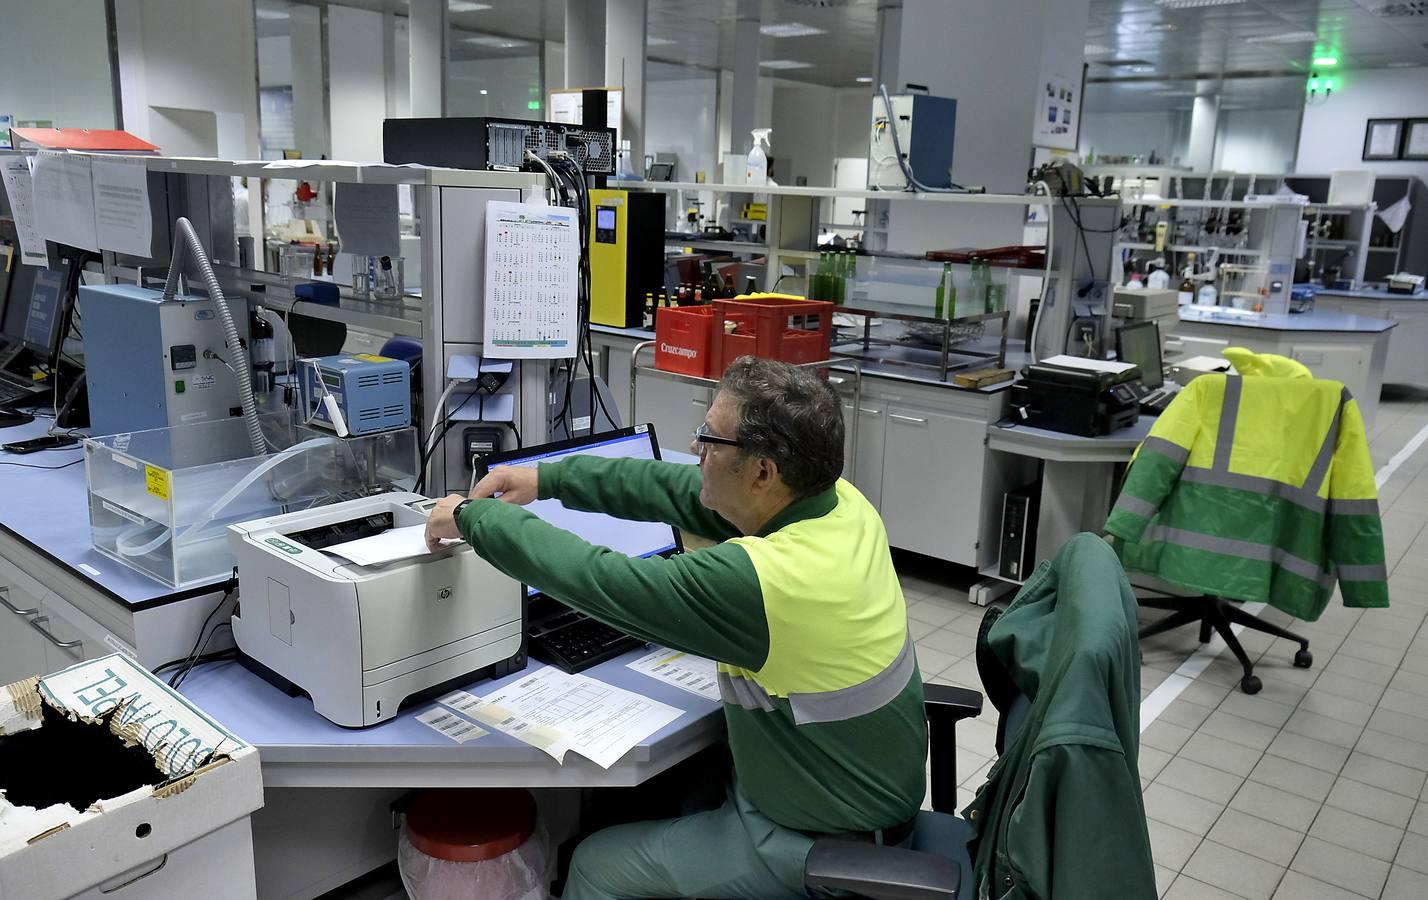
(1354, 531)
(1082, 835)
(1158, 463)
(707, 602)
(644, 490)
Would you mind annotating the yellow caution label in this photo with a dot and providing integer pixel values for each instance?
(372, 357)
(157, 481)
(756, 212)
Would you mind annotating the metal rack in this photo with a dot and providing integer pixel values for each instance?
(962, 328)
(650, 371)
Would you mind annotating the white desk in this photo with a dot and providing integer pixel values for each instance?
(1408, 350)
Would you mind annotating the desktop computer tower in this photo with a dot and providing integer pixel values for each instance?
(626, 254)
(1020, 509)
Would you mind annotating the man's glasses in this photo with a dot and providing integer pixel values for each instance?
(702, 437)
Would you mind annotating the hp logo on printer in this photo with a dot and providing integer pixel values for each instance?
(444, 594)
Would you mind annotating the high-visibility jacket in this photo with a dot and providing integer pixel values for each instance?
(806, 618)
(1257, 489)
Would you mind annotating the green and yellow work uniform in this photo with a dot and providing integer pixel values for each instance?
(1257, 489)
(817, 670)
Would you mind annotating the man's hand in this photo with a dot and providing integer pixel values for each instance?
(441, 524)
(515, 484)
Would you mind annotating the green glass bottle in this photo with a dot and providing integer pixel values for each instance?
(996, 291)
(941, 305)
(951, 291)
(836, 281)
(852, 274)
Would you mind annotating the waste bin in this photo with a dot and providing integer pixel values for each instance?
(478, 844)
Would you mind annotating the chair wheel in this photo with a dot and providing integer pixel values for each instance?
(1250, 684)
(1303, 659)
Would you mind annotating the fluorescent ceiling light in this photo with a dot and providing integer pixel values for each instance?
(1404, 64)
(1173, 93)
(1099, 50)
(487, 40)
(789, 29)
(865, 79)
(271, 14)
(1192, 4)
(466, 6)
(1326, 60)
(784, 64)
(1138, 70)
(484, 92)
(653, 41)
(1286, 37)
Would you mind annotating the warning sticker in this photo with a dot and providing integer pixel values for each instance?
(157, 481)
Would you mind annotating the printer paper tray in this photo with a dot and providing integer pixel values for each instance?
(437, 655)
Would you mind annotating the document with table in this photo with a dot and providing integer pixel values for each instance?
(557, 713)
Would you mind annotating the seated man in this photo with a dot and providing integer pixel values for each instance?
(800, 605)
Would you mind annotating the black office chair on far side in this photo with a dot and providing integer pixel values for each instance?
(1061, 813)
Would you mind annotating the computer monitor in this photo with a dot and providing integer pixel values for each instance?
(636, 539)
(46, 311)
(16, 305)
(1140, 344)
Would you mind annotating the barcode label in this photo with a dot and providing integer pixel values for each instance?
(451, 725)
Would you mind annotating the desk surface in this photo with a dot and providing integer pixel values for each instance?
(299, 748)
(1058, 446)
(1315, 321)
(47, 508)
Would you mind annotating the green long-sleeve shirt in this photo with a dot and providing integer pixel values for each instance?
(822, 696)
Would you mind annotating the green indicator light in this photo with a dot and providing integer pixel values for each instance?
(1326, 60)
(533, 104)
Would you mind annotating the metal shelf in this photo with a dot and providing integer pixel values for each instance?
(779, 190)
(731, 246)
(1186, 248)
(395, 318)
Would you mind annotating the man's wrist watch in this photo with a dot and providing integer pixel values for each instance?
(456, 510)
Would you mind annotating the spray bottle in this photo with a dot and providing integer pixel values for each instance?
(756, 172)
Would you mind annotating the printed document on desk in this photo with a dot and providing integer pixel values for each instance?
(556, 713)
(685, 671)
(532, 280)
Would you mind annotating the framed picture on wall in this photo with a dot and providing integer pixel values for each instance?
(1415, 139)
(1382, 138)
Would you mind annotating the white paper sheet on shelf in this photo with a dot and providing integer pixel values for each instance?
(389, 546)
(557, 713)
(19, 187)
(123, 221)
(685, 671)
(64, 199)
(1091, 365)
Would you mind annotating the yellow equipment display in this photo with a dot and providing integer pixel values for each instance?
(626, 254)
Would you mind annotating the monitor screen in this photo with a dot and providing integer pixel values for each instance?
(638, 539)
(605, 218)
(42, 327)
(16, 303)
(1140, 344)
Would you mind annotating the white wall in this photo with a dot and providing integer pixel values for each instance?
(54, 63)
(1257, 140)
(356, 83)
(510, 82)
(1332, 136)
(802, 141)
(1164, 132)
(680, 119)
(275, 61)
(188, 55)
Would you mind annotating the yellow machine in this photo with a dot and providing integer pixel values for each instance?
(626, 254)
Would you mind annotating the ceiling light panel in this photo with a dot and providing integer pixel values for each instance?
(465, 6)
(789, 30)
(1099, 50)
(652, 41)
(784, 64)
(488, 40)
(1284, 37)
(1194, 4)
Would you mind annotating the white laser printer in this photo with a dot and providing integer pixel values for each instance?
(361, 639)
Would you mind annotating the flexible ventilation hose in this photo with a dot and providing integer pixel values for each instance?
(186, 240)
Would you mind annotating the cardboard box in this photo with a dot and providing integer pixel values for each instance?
(115, 786)
(1146, 303)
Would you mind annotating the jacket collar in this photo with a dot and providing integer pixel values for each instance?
(820, 504)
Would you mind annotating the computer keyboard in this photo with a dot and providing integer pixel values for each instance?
(1154, 403)
(573, 642)
(9, 394)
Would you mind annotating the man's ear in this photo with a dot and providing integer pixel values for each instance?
(766, 473)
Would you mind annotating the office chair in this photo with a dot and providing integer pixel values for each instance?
(1066, 640)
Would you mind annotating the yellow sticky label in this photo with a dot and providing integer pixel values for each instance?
(157, 481)
(372, 357)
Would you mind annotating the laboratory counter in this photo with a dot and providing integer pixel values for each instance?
(1408, 350)
(1312, 321)
(1371, 294)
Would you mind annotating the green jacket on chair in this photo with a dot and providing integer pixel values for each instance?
(1060, 816)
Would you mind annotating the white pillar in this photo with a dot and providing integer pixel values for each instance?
(584, 43)
(427, 37)
(626, 24)
(745, 100)
(1204, 117)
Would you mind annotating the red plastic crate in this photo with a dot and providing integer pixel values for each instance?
(682, 339)
(772, 326)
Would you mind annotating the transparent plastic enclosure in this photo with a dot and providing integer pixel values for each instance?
(160, 501)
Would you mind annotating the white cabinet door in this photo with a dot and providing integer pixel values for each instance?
(68, 635)
(676, 409)
(1338, 362)
(1408, 343)
(868, 476)
(932, 482)
(22, 650)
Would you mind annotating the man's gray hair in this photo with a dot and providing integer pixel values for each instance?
(791, 416)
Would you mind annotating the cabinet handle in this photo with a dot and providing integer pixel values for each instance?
(911, 420)
(5, 592)
(63, 645)
(695, 401)
(869, 412)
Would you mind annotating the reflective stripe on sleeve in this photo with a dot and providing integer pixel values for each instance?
(1229, 415)
(1166, 448)
(743, 692)
(1362, 572)
(1135, 506)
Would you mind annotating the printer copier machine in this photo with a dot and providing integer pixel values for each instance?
(361, 639)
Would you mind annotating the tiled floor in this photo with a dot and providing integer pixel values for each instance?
(1313, 789)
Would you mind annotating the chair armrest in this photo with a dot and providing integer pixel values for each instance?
(881, 873)
(946, 706)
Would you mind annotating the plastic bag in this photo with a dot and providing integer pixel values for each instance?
(522, 874)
